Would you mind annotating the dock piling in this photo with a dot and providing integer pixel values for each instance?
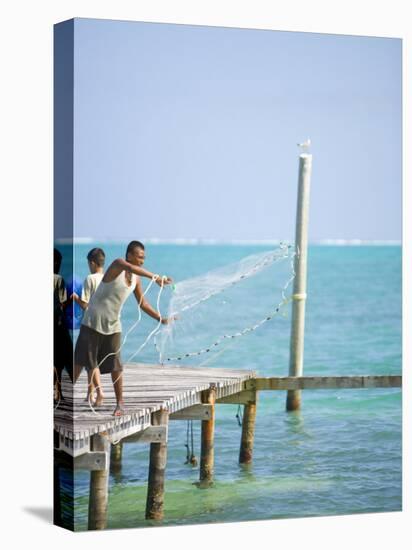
(248, 432)
(116, 458)
(99, 487)
(293, 400)
(207, 439)
(157, 467)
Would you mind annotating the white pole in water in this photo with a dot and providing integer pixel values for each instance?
(293, 400)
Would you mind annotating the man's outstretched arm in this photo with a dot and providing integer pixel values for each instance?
(120, 265)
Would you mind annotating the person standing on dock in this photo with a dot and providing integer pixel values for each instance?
(99, 342)
(95, 259)
(62, 342)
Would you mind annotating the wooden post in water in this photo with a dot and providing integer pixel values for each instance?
(293, 401)
(116, 458)
(207, 454)
(157, 467)
(248, 432)
(99, 487)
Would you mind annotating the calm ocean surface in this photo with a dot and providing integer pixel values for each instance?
(340, 455)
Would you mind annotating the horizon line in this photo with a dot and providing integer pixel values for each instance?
(210, 242)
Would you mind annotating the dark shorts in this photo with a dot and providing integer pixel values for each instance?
(62, 348)
(92, 347)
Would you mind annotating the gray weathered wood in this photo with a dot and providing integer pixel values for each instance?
(195, 412)
(93, 461)
(207, 453)
(241, 398)
(157, 468)
(116, 452)
(299, 283)
(99, 487)
(152, 434)
(324, 382)
(248, 431)
(147, 388)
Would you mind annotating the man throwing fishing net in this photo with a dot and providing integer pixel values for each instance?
(99, 342)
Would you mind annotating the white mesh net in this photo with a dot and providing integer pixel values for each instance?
(214, 308)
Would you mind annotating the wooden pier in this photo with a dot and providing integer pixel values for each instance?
(155, 395)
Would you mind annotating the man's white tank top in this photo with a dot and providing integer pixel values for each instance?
(103, 313)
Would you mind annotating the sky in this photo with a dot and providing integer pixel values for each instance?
(191, 132)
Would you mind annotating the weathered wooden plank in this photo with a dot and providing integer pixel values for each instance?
(92, 461)
(195, 412)
(147, 388)
(240, 398)
(324, 382)
(152, 434)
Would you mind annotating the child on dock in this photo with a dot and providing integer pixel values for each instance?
(99, 342)
(95, 258)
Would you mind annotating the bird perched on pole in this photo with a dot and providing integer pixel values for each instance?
(304, 146)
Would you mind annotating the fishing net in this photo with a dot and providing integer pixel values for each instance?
(212, 310)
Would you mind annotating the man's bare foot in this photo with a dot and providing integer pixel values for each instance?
(89, 398)
(119, 410)
(99, 400)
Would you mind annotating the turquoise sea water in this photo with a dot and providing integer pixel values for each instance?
(340, 455)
